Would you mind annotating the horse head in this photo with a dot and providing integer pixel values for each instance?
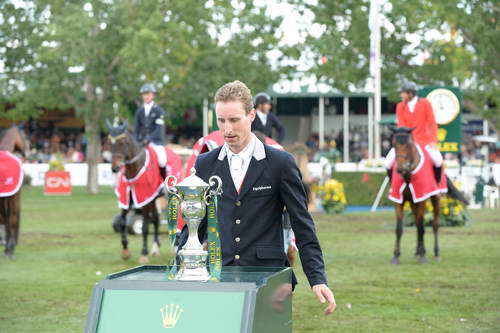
(14, 140)
(121, 142)
(403, 143)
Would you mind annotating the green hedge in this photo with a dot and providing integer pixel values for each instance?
(361, 188)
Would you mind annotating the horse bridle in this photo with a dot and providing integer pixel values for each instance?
(134, 159)
(408, 157)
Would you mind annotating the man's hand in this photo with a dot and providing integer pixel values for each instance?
(325, 294)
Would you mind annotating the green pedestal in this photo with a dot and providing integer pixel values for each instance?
(142, 299)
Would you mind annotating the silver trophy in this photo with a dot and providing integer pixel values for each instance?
(193, 195)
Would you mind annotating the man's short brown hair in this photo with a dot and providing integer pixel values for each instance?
(235, 91)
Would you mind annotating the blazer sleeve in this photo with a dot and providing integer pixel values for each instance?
(294, 196)
(280, 128)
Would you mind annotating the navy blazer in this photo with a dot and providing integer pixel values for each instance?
(251, 227)
(271, 122)
(151, 128)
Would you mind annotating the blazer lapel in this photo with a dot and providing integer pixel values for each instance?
(222, 169)
(253, 173)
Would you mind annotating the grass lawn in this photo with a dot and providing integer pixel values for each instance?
(67, 244)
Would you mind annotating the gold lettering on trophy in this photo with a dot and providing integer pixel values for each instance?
(170, 314)
(211, 211)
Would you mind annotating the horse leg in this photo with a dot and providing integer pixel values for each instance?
(419, 210)
(11, 224)
(143, 259)
(17, 214)
(155, 249)
(399, 232)
(123, 230)
(435, 224)
(4, 219)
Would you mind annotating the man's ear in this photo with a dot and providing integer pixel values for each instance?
(252, 115)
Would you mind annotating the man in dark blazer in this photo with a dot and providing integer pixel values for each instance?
(265, 121)
(150, 126)
(258, 182)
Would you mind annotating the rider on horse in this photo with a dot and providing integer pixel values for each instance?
(150, 126)
(416, 112)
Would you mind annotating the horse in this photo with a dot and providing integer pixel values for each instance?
(129, 155)
(12, 140)
(407, 160)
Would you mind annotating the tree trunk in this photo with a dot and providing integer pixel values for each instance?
(93, 153)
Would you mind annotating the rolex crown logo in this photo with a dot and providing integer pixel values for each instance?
(170, 314)
(441, 134)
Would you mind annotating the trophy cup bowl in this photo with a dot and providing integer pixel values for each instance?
(193, 194)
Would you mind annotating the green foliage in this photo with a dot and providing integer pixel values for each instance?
(458, 39)
(185, 47)
(361, 188)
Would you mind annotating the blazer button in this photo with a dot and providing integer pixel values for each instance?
(237, 239)
(238, 221)
(237, 257)
(238, 203)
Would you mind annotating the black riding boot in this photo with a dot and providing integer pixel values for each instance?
(163, 172)
(437, 174)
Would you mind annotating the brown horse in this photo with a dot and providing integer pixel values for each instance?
(407, 159)
(12, 140)
(126, 152)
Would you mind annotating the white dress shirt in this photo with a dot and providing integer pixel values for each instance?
(262, 116)
(412, 103)
(238, 163)
(148, 107)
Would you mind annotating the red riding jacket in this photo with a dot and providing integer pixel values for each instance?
(422, 118)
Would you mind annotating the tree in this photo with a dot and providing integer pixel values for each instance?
(452, 42)
(93, 56)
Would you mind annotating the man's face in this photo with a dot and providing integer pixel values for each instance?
(266, 107)
(405, 96)
(147, 97)
(235, 124)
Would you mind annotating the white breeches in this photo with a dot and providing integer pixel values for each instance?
(161, 153)
(434, 153)
(436, 157)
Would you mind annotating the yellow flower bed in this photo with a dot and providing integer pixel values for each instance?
(332, 196)
(453, 212)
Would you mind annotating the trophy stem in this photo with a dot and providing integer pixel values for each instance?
(193, 256)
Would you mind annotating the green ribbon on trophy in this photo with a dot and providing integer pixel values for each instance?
(172, 218)
(214, 248)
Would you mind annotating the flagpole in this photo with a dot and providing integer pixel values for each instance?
(375, 71)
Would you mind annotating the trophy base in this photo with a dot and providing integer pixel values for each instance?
(194, 274)
(193, 265)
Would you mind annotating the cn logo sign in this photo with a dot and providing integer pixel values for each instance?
(57, 183)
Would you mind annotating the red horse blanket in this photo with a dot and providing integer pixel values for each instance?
(422, 183)
(11, 174)
(144, 187)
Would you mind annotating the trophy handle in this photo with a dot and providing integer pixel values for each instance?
(213, 181)
(172, 189)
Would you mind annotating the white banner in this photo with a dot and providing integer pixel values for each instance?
(78, 172)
